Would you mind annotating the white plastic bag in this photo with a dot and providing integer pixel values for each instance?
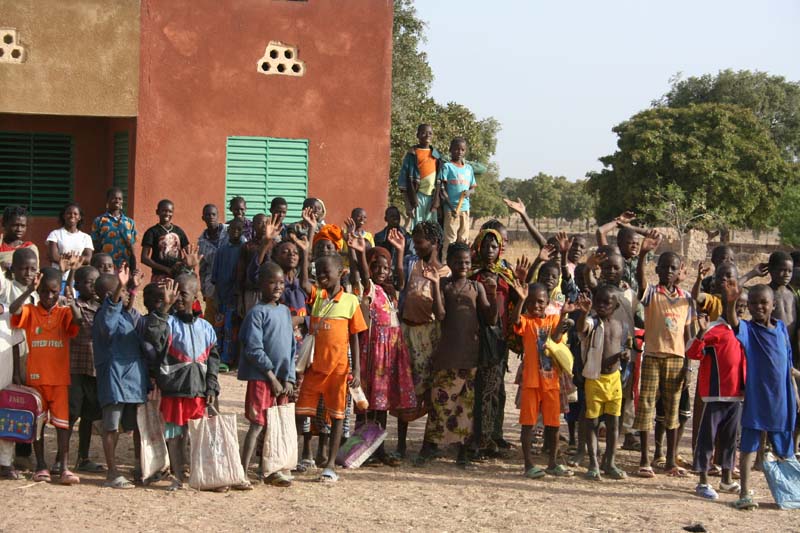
(215, 460)
(280, 440)
(155, 458)
(305, 355)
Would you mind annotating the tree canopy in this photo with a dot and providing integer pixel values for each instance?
(720, 154)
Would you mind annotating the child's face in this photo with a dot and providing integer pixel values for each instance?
(319, 211)
(724, 273)
(459, 264)
(537, 302)
(105, 265)
(287, 256)
(210, 216)
(235, 233)
(324, 247)
(577, 250)
(48, 292)
(548, 276)
(164, 213)
(86, 290)
(15, 228)
(741, 305)
(611, 270)
(72, 216)
(629, 246)
(379, 270)
(360, 218)
(490, 249)
(259, 226)
(272, 287)
(423, 246)
(25, 271)
(392, 218)
(782, 274)
(187, 292)
(114, 202)
(328, 275)
(727, 258)
(760, 304)
(668, 270)
(604, 304)
(458, 151)
(280, 211)
(238, 209)
(425, 135)
(153, 301)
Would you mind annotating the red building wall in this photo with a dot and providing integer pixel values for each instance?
(92, 161)
(199, 85)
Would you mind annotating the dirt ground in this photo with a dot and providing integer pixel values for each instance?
(440, 497)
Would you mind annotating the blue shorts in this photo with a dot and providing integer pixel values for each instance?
(782, 441)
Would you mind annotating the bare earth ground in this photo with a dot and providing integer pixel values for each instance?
(490, 496)
(440, 497)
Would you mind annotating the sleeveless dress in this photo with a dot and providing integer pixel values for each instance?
(385, 362)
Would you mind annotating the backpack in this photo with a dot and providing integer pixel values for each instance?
(21, 413)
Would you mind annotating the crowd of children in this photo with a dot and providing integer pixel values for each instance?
(308, 313)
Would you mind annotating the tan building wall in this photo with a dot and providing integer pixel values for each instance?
(81, 57)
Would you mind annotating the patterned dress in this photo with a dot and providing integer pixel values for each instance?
(385, 361)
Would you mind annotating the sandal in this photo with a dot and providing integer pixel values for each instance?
(278, 479)
(715, 471)
(677, 471)
(391, 459)
(175, 485)
(68, 478)
(615, 473)
(732, 488)
(646, 472)
(745, 504)
(575, 461)
(243, 486)
(85, 465)
(119, 482)
(560, 471)
(223, 368)
(9, 472)
(593, 475)
(42, 475)
(659, 462)
(328, 476)
(534, 472)
(305, 465)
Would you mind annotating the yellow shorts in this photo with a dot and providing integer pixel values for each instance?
(603, 395)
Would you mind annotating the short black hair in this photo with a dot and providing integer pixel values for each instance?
(207, 206)
(83, 272)
(724, 268)
(150, 295)
(535, 287)
(309, 202)
(549, 265)
(63, 212)
(429, 230)
(756, 289)
(422, 126)
(455, 248)
(112, 191)
(269, 269)
(236, 222)
(95, 260)
(668, 256)
(163, 202)
(615, 256)
(236, 200)
(13, 211)
(609, 290)
(493, 224)
(391, 208)
(625, 233)
(720, 251)
(356, 210)
(458, 140)
(260, 215)
(777, 257)
(22, 254)
(50, 274)
(336, 259)
(277, 202)
(104, 284)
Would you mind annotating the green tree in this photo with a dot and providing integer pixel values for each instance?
(787, 217)
(488, 198)
(576, 201)
(772, 99)
(541, 195)
(721, 154)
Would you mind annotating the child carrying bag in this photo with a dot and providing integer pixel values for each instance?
(215, 460)
(305, 355)
(783, 478)
(155, 458)
(21, 413)
(280, 440)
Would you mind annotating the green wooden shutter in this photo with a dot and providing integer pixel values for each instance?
(121, 162)
(261, 168)
(36, 170)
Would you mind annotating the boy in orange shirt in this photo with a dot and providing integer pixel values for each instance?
(335, 320)
(540, 388)
(48, 328)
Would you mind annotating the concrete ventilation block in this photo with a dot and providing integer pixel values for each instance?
(281, 59)
(11, 50)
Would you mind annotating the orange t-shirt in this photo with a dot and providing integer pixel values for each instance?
(426, 164)
(538, 370)
(48, 334)
(334, 321)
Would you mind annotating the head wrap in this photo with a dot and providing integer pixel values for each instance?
(499, 267)
(329, 232)
(379, 251)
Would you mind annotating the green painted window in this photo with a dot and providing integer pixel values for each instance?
(121, 160)
(261, 168)
(36, 170)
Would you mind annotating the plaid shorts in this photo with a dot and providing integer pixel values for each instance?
(660, 379)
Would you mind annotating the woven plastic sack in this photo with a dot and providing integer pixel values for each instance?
(215, 460)
(280, 440)
(783, 478)
(361, 445)
(155, 458)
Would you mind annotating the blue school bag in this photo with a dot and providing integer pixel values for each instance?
(783, 478)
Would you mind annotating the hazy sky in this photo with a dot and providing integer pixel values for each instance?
(559, 75)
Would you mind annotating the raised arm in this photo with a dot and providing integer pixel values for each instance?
(519, 208)
(521, 288)
(17, 304)
(398, 242)
(649, 244)
(431, 274)
(731, 291)
(558, 332)
(303, 247)
(702, 272)
(487, 299)
(594, 261)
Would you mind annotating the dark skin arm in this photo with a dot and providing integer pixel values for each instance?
(622, 220)
(649, 244)
(398, 242)
(702, 272)
(356, 381)
(519, 208)
(146, 259)
(559, 330)
(487, 299)
(17, 304)
(522, 291)
(432, 275)
(731, 292)
(594, 261)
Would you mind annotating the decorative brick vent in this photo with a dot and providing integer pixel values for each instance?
(11, 50)
(280, 58)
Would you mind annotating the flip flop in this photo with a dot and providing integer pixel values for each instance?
(560, 471)
(660, 462)
(646, 472)
(243, 486)
(328, 476)
(42, 475)
(278, 479)
(9, 473)
(593, 475)
(305, 465)
(175, 485)
(119, 482)
(534, 472)
(89, 466)
(678, 471)
(68, 478)
(615, 473)
(745, 504)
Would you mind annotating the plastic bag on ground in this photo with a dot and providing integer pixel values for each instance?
(280, 440)
(215, 460)
(155, 458)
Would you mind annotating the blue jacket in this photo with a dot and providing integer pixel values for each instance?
(268, 343)
(223, 273)
(118, 361)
